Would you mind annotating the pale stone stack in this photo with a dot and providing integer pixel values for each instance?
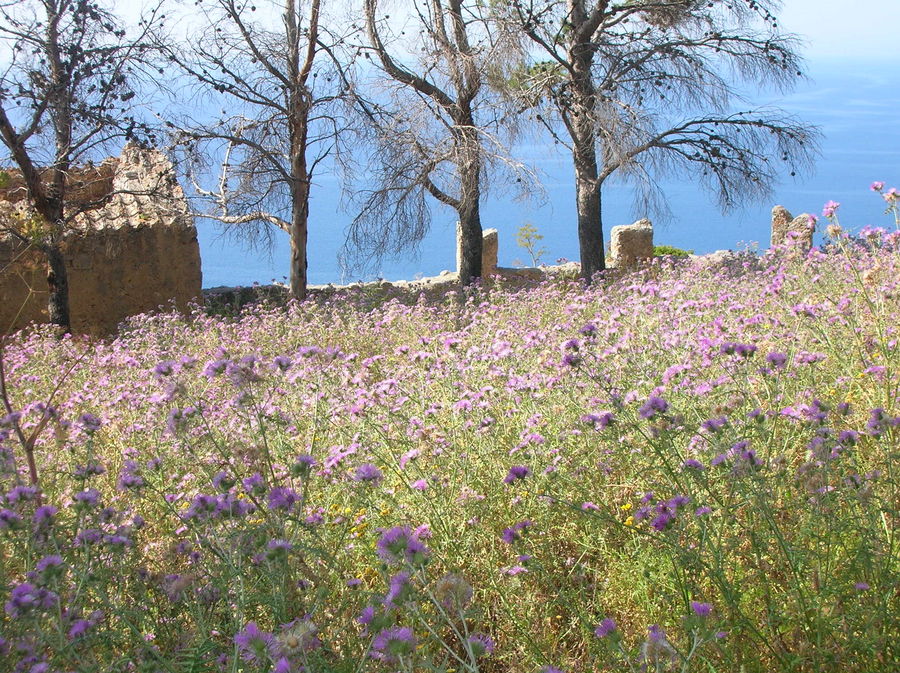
(631, 243)
(489, 246)
(795, 230)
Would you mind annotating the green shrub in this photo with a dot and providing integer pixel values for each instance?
(663, 250)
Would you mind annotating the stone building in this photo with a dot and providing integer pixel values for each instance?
(135, 251)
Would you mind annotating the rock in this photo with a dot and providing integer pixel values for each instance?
(788, 229)
(489, 246)
(631, 243)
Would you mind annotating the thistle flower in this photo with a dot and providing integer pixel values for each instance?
(368, 473)
(516, 472)
(398, 589)
(453, 592)
(400, 544)
(480, 644)
(656, 649)
(654, 405)
(605, 627)
(255, 646)
(392, 643)
(89, 423)
(515, 532)
(27, 597)
(701, 609)
(283, 498)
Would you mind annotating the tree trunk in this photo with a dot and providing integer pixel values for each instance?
(470, 244)
(469, 167)
(583, 130)
(590, 222)
(299, 229)
(58, 284)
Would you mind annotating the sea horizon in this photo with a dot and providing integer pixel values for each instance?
(855, 105)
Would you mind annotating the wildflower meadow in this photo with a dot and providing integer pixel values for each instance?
(690, 467)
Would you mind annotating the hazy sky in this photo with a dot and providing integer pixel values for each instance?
(859, 30)
(855, 30)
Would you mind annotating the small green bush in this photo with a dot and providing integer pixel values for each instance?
(663, 250)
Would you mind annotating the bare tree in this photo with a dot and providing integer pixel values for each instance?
(278, 85)
(68, 92)
(646, 87)
(439, 134)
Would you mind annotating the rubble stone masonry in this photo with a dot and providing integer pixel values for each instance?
(133, 253)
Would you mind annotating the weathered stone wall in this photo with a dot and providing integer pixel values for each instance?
(630, 243)
(137, 252)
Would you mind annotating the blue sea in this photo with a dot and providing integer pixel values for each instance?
(857, 108)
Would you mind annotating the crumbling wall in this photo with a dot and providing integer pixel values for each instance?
(136, 252)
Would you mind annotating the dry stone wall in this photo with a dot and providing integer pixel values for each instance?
(136, 252)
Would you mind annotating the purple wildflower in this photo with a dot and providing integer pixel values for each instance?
(398, 588)
(255, 646)
(89, 423)
(366, 616)
(87, 499)
(861, 586)
(599, 421)
(254, 484)
(714, 424)
(21, 494)
(605, 627)
(512, 534)
(26, 597)
(283, 498)
(776, 360)
(392, 643)
(516, 472)
(692, 464)
(43, 515)
(701, 609)
(368, 473)
(302, 466)
(480, 644)
(278, 548)
(654, 405)
(88, 536)
(49, 563)
(9, 520)
(400, 543)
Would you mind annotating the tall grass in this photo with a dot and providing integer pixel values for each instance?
(692, 468)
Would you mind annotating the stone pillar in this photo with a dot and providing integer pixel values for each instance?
(788, 229)
(631, 243)
(489, 245)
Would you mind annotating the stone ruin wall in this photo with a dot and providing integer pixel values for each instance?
(134, 253)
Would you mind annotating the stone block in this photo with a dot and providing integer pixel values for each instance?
(631, 243)
(797, 231)
(489, 246)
